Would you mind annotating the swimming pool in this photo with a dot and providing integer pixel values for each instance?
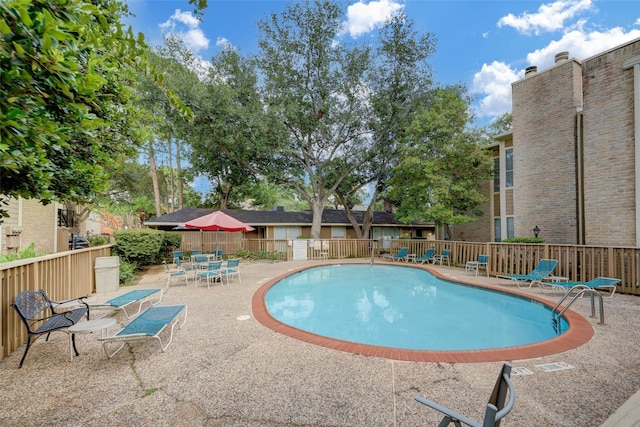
(365, 309)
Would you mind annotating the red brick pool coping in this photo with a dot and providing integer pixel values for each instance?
(580, 332)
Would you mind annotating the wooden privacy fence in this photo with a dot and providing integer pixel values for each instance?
(63, 276)
(578, 263)
(209, 241)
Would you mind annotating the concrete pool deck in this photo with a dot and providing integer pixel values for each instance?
(221, 370)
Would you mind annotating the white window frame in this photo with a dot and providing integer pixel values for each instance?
(338, 232)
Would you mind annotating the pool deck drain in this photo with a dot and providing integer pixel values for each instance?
(521, 371)
(556, 366)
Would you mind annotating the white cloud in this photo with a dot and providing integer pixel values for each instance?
(186, 26)
(549, 17)
(580, 45)
(364, 17)
(493, 83)
(223, 42)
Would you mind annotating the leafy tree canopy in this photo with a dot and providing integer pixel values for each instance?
(342, 101)
(442, 164)
(68, 69)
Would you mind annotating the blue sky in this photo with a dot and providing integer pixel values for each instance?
(484, 44)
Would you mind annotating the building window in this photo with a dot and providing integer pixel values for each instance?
(283, 233)
(338, 232)
(497, 230)
(496, 175)
(510, 228)
(508, 168)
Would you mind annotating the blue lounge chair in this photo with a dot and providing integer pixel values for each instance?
(401, 255)
(149, 324)
(139, 297)
(427, 256)
(497, 408)
(544, 269)
(597, 283)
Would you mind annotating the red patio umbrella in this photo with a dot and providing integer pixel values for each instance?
(218, 221)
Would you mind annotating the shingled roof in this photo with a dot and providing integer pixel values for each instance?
(275, 217)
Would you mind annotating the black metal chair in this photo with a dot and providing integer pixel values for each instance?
(496, 407)
(39, 315)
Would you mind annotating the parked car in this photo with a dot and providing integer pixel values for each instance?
(77, 242)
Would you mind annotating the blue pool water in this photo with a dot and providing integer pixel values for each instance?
(407, 308)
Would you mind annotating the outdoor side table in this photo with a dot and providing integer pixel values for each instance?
(88, 327)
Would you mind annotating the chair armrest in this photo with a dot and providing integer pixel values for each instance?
(72, 303)
(448, 412)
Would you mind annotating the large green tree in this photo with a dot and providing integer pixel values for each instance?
(231, 129)
(341, 100)
(67, 72)
(443, 164)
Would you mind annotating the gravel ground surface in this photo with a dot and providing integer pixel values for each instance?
(221, 371)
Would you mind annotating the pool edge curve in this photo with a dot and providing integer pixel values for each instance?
(580, 332)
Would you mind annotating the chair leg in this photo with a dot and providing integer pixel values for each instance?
(26, 350)
(73, 341)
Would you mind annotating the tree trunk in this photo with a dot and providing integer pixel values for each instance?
(172, 185)
(154, 179)
(180, 181)
(362, 230)
(316, 223)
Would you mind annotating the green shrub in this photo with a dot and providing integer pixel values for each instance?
(99, 240)
(242, 253)
(524, 240)
(127, 271)
(28, 252)
(139, 247)
(172, 241)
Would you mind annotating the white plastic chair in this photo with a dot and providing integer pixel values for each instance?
(475, 266)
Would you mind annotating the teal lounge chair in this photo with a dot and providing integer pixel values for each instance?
(149, 324)
(544, 268)
(401, 255)
(427, 256)
(140, 296)
(597, 283)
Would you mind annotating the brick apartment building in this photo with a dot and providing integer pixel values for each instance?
(571, 165)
